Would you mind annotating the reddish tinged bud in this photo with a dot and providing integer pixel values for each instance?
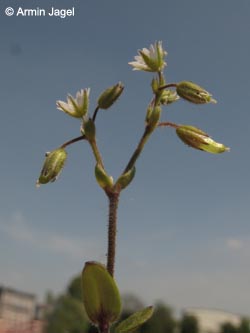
(196, 138)
(194, 93)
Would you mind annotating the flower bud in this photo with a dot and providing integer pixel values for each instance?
(88, 129)
(52, 166)
(153, 116)
(155, 85)
(110, 95)
(103, 179)
(196, 138)
(124, 180)
(194, 93)
(168, 97)
(101, 296)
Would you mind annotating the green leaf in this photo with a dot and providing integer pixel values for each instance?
(135, 320)
(125, 179)
(101, 296)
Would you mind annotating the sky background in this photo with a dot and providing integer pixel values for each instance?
(184, 223)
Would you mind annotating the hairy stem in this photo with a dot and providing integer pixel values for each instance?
(112, 229)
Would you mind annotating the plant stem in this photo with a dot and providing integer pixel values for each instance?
(138, 150)
(112, 229)
(96, 152)
(169, 85)
(79, 138)
(95, 113)
(167, 123)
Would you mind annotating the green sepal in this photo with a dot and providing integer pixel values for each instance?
(101, 296)
(103, 179)
(193, 93)
(168, 97)
(153, 117)
(135, 320)
(196, 138)
(52, 167)
(153, 64)
(125, 179)
(89, 129)
(110, 95)
(154, 85)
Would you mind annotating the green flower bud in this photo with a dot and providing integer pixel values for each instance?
(194, 93)
(52, 166)
(196, 138)
(89, 129)
(101, 296)
(105, 181)
(168, 97)
(155, 85)
(135, 320)
(153, 116)
(124, 180)
(110, 95)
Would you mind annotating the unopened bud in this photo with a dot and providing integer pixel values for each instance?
(168, 97)
(194, 93)
(124, 180)
(103, 179)
(52, 166)
(101, 296)
(89, 129)
(155, 85)
(153, 116)
(110, 95)
(196, 138)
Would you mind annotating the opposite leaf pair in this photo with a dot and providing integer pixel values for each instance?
(102, 300)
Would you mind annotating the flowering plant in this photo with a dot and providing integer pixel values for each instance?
(100, 292)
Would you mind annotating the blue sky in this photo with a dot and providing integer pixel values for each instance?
(183, 233)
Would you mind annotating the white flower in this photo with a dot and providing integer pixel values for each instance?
(150, 60)
(76, 107)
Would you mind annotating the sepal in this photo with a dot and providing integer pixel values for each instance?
(110, 95)
(52, 167)
(196, 138)
(193, 93)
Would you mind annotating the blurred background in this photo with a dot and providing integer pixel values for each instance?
(183, 228)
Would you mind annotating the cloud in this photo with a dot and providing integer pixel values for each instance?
(18, 229)
(234, 243)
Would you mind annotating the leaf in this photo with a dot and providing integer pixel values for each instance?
(135, 320)
(101, 296)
